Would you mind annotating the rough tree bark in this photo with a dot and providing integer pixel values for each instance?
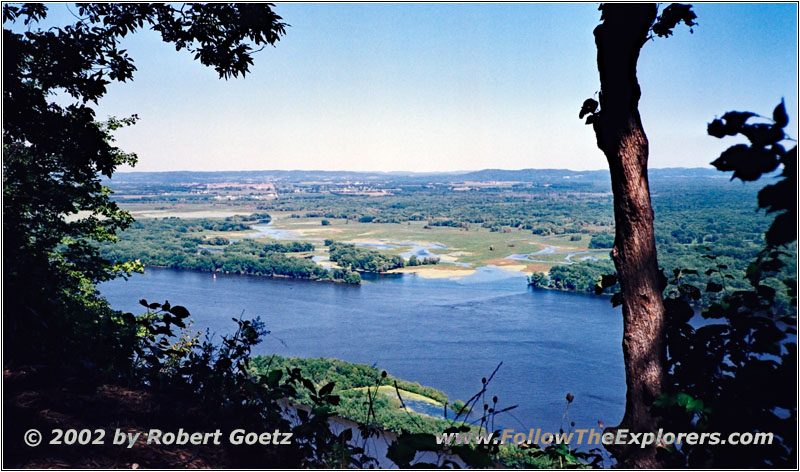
(619, 38)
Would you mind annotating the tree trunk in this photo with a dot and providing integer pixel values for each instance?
(624, 30)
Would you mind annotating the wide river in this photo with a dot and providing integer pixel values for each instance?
(439, 332)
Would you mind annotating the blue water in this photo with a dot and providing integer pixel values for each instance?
(426, 408)
(444, 333)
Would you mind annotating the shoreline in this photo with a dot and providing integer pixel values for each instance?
(276, 276)
(429, 272)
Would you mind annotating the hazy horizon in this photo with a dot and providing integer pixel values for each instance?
(401, 171)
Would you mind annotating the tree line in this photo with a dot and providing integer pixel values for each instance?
(352, 257)
(173, 243)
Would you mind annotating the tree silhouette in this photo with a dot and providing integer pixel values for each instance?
(624, 29)
(764, 154)
(736, 371)
(55, 208)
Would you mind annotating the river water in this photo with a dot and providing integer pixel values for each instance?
(439, 332)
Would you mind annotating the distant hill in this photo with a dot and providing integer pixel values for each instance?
(496, 175)
(536, 175)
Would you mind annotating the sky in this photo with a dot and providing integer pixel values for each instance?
(447, 87)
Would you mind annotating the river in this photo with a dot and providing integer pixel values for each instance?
(439, 332)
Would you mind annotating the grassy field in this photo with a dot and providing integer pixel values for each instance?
(390, 392)
(465, 249)
(476, 246)
(189, 213)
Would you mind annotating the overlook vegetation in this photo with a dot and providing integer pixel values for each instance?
(368, 395)
(351, 381)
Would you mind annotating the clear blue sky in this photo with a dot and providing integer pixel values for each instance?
(438, 87)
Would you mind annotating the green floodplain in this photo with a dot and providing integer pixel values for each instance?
(555, 227)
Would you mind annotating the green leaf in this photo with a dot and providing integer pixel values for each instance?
(664, 400)
(694, 405)
(683, 399)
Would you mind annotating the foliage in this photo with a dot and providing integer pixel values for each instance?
(359, 388)
(249, 246)
(578, 277)
(231, 389)
(352, 384)
(733, 368)
(346, 375)
(357, 258)
(238, 391)
(557, 455)
(671, 16)
(762, 156)
(217, 380)
(414, 261)
(178, 243)
(602, 241)
(216, 241)
(55, 207)
(347, 276)
(57, 212)
(538, 280)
